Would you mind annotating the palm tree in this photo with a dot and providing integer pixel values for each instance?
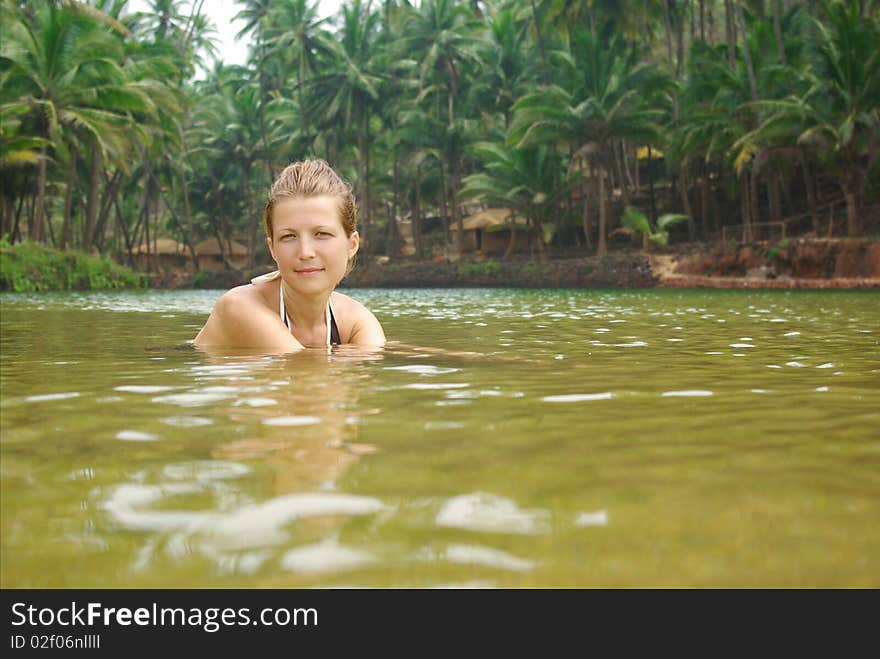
(530, 181)
(603, 95)
(293, 38)
(508, 69)
(444, 35)
(226, 148)
(68, 72)
(838, 113)
(347, 94)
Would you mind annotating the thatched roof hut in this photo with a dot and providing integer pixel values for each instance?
(160, 246)
(488, 231)
(211, 247)
(211, 258)
(490, 219)
(162, 254)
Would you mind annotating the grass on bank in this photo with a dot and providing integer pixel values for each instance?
(28, 267)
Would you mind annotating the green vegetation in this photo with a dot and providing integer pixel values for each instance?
(487, 268)
(198, 279)
(30, 267)
(659, 232)
(566, 112)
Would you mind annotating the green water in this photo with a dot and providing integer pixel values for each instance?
(540, 438)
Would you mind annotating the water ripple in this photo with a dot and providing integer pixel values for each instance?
(480, 511)
(577, 398)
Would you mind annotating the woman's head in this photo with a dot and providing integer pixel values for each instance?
(312, 178)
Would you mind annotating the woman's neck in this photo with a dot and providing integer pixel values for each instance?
(305, 312)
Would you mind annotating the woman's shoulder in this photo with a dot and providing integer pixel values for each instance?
(244, 297)
(358, 323)
(344, 305)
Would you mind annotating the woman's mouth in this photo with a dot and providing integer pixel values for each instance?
(309, 271)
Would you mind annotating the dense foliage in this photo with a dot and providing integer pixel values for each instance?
(731, 112)
(29, 267)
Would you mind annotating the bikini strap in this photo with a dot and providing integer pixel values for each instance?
(330, 321)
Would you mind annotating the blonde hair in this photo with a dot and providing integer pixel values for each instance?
(313, 177)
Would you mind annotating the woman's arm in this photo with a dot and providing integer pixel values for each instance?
(367, 331)
(240, 320)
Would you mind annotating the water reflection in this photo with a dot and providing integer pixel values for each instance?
(299, 416)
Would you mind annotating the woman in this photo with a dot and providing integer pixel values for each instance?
(310, 229)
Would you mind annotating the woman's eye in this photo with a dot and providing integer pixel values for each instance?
(325, 234)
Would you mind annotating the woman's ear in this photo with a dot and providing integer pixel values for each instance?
(354, 242)
(271, 252)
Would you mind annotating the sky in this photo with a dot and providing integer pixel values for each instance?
(222, 13)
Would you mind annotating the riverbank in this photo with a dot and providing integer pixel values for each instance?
(619, 269)
(31, 267)
(802, 263)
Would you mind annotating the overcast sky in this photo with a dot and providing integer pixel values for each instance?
(222, 13)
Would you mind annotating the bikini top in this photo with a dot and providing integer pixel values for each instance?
(332, 330)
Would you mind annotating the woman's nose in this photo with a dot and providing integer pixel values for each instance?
(306, 249)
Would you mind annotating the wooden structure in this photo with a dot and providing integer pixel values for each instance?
(210, 255)
(165, 254)
(488, 231)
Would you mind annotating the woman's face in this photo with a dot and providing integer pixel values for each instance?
(309, 243)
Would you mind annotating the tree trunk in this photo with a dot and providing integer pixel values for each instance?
(585, 217)
(444, 210)
(368, 220)
(512, 241)
(110, 188)
(730, 33)
(539, 36)
(754, 204)
(416, 221)
(745, 211)
(36, 230)
(253, 227)
(686, 203)
(539, 238)
(704, 203)
(667, 25)
(5, 212)
(811, 193)
(693, 23)
(710, 19)
(125, 235)
(747, 55)
(603, 214)
(393, 229)
(716, 204)
(92, 200)
(622, 173)
(146, 242)
(363, 185)
(777, 31)
(49, 231)
(703, 21)
(190, 230)
(651, 186)
(852, 213)
(16, 227)
(773, 198)
(66, 226)
(679, 39)
(456, 215)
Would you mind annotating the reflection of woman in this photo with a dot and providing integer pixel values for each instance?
(310, 229)
(307, 436)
